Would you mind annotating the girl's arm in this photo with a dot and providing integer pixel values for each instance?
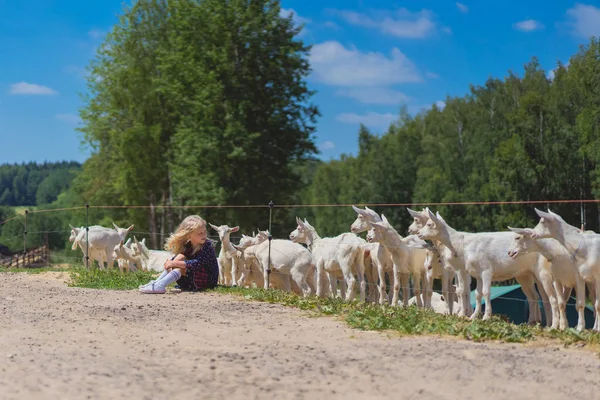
(175, 262)
(206, 256)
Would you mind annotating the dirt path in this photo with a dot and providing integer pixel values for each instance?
(59, 342)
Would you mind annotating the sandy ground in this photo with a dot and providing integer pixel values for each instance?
(67, 343)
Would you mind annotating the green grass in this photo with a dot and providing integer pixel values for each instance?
(109, 279)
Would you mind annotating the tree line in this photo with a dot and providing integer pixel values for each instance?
(30, 184)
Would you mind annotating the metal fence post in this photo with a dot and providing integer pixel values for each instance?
(87, 239)
(271, 205)
(25, 233)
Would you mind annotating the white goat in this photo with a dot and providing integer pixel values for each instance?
(564, 270)
(484, 256)
(407, 260)
(157, 259)
(446, 273)
(122, 263)
(131, 261)
(102, 242)
(526, 282)
(381, 258)
(228, 260)
(94, 254)
(343, 253)
(288, 259)
(139, 248)
(438, 303)
(584, 249)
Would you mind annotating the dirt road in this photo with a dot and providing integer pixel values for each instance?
(58, 342)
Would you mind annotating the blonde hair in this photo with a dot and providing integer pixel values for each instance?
(177, 241)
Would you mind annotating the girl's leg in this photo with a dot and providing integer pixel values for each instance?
(162, 275)
(170, 277)
(160, 285)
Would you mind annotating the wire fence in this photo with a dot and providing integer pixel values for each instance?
(34, 229)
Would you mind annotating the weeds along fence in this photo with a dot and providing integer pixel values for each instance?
(35, 228)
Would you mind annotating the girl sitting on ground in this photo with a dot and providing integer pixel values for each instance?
(194, 266)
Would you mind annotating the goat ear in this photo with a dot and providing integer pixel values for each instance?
(384, 219)
(214, 227)
(72, 227)
(128, 242)
(130, 228)
(377, 225)
(431, 215)
(143, 241)
(519, 231)
(543, 214)
(115, 225)
(358, 210)
(299, 221)
(121, 244)
(235, 229)
(414, 213)
(135, 240)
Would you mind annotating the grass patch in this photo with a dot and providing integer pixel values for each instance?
(108, 279)
(418, 321)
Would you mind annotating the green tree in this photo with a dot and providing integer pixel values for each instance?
(198, 102)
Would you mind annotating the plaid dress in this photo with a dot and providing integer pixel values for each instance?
(202, 268)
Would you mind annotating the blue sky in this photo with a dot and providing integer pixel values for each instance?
(368, 58)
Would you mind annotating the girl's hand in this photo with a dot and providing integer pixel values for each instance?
(168, 264)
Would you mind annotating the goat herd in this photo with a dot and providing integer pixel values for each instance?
(554, 255)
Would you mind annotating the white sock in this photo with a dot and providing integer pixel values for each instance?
(168, 278)
(162, 275)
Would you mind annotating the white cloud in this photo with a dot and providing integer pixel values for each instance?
(333, 64)
(431, 75)
(528, 25)
(584, 20)
(286, 12)
(375, 95)
(440, 104)
(71, 119)
(327, 145)
(400, 23)
(462, 8)
(96, 33)
(371, 119)
(30, 88)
